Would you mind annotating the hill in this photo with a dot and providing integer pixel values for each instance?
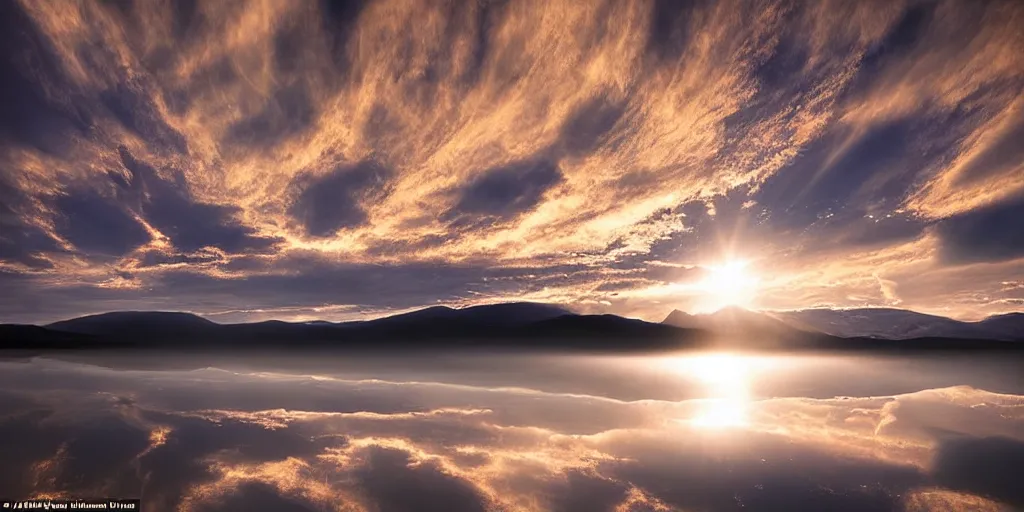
(164, 323)
(745, 327)
(900, 324)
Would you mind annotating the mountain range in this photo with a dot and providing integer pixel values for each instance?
(899, 324)
(530, 325)
(878, 323)
(509, 324)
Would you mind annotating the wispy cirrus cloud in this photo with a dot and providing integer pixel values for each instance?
(150, 138)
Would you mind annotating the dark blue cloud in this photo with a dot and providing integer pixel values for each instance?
(97, 225)
(844, 190)
(287, 113)
(331, 202)
(21, 241)
(207, 79)
(1003, 155)
(785, 224)
(874, 170)
(380, 123)
(785, 70)
(187, 17)
(373, 286)
(903, 38)
(189, 224)
(30, 67)
(671, 27)
(338, 21)
(399, 247)
(488, 15)
(866, 232)
(132, 104)
(588, 125)
(290, 45)
(987, 234)
(503, 193)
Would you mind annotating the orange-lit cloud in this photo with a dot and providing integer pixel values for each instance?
(167, 156)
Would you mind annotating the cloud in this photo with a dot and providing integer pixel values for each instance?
(97, 225)
(391, 133)
(989, 233)
(132, 105)
(334, 201)
(504, 193)
(29, 113)
(22, 241)
(287, 112)
(584, 130)
(190, 225)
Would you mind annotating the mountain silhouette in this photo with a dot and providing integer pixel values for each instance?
(492, 315)
(1009, 326)
(510, 325)
(897, 324)
(165, 322)
(750, 327)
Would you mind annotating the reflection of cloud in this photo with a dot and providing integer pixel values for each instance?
(137, 136)
(409, 446)
(940, 499)
(986, 467)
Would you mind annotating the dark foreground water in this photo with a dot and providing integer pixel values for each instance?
(516, 432)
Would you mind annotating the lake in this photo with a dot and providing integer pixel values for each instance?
(501, 431)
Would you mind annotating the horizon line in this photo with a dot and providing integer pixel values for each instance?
(392, 313)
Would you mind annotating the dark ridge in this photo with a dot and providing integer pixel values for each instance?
(499, 326)
(114, 323)
(891, 323)
(759, 330)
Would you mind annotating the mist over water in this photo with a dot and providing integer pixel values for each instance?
(515, 431)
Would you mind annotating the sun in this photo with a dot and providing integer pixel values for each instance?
(730, 283)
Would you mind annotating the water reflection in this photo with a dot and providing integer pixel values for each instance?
(507, 432)
(726, 380)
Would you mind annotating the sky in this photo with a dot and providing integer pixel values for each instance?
(297, 160)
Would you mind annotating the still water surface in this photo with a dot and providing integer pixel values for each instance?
(508, 432)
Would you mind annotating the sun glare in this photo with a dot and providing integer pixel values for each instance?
(726, 381)
(728, 284)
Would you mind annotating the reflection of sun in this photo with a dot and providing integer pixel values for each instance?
(726, 381)
(728, 284)
(721, 413)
